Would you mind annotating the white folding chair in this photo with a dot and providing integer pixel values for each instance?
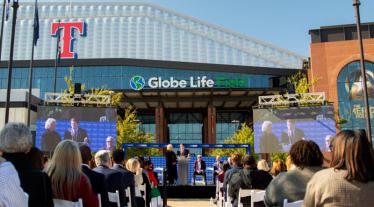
(99, 197)
(243, 193)
(228, 202)
(219, 194)
(293, 204)
(257, 196)
(65, 203)
(144, 189)
(114, 198)
(128, 195)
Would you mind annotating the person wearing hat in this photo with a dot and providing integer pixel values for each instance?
(109, 144)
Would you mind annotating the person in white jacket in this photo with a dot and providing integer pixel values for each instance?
(11, 193)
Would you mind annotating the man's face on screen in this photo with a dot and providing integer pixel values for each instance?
(74, 124)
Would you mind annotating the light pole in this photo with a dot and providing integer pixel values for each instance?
(10, 63)
(356, 4)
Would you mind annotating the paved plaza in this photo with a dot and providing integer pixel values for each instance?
(188, 202)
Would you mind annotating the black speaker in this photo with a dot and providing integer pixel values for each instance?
(77, 88)
(274, 82)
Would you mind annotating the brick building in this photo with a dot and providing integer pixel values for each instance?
(335, 62)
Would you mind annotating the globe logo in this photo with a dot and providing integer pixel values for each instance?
(137, 82)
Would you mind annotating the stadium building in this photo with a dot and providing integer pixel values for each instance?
(191, 81)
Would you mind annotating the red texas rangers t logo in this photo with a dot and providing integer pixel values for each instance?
(67, 37)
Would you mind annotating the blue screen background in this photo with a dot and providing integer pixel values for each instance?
(97, 131)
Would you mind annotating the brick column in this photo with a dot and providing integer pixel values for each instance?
(160, 123)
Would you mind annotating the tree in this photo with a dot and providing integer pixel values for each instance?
(128, 132)
(243, 136)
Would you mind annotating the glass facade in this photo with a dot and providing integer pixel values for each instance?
(186, 128)
(351, 106)
(118, 77)
(227, 123)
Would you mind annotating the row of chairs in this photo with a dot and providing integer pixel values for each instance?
(112, 196)
(256, 196)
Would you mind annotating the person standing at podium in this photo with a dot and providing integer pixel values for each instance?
(183, 159)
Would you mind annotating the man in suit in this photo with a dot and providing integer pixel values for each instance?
(118, 157)
(292, 134)
(217, 168)
(113, 178)
(76, 133)
(97, 180)
(183, 151)
(199, 169)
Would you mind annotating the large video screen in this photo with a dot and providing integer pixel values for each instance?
(275, 130)
(85, 125)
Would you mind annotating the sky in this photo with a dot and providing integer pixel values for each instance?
(282, 23)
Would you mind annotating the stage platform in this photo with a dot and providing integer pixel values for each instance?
(189, 191)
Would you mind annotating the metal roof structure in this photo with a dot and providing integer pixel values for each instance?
(141, 31)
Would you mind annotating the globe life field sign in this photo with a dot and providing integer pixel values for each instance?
(138, 82)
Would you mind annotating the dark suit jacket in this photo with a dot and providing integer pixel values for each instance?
(184, 153)
(34, 182)
(128, 181)
(79, 137)
(97, 181)
(113, 181)
(298, 135)
(50, 140)
(203, 165)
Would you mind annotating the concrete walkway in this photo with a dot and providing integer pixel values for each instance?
(188, 203)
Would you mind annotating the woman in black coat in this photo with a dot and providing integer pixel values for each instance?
(171, 165)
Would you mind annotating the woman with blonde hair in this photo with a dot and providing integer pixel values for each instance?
(263, 165)
(278, 167)
(133, 166)
(68, 181)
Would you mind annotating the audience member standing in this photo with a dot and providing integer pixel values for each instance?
(217, 168)
(68, 181)
(118, 157)
(308, 159)
(15, 142)
(225, 167)
(11, 193)
(248, 178)
(350, 180)
(97, 179)
(113, 178)
(171, 165)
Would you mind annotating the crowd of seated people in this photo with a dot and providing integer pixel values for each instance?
(348, 181)
(70, 175)
(33, 181)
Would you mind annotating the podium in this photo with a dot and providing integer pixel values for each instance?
(183, 170)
